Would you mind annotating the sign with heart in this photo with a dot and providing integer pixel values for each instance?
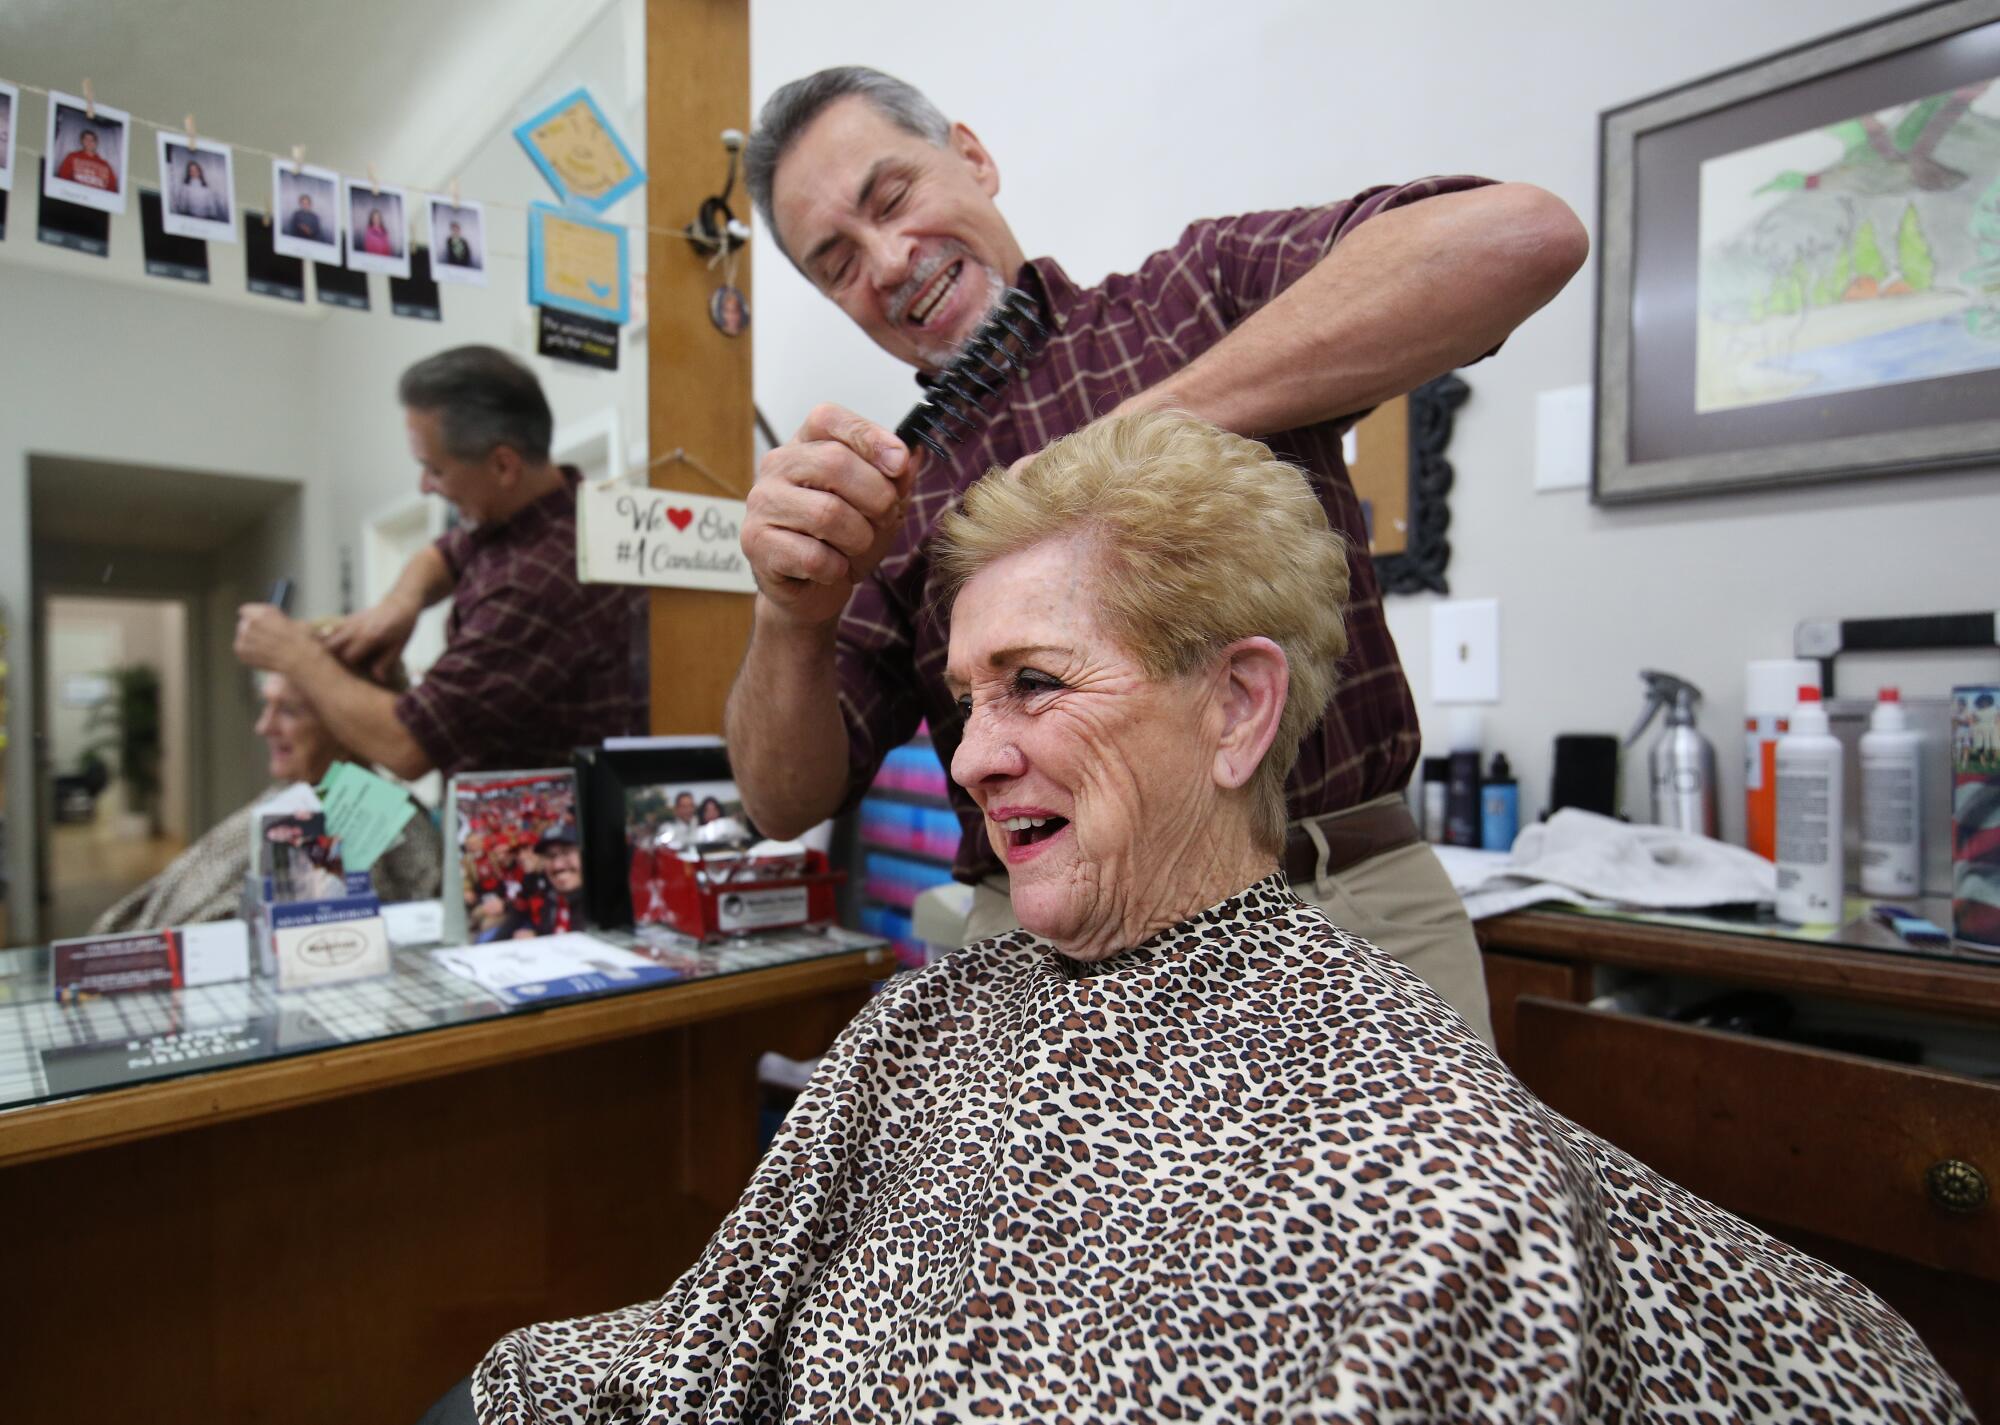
(628, 534)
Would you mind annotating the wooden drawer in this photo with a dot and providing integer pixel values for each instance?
(1509, 977)
(1829, 1143)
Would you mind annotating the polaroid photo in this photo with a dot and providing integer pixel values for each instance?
(458, 240)
(197, 188)
(10, 112)
(89, 150)
(378, 227)
(307, 220)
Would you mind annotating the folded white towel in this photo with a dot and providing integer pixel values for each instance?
(1650, 866)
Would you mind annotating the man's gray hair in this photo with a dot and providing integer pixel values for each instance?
(788, 112)
(484, 399)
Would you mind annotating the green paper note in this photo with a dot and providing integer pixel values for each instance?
(366, 812)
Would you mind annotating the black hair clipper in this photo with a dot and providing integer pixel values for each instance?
(998, 352)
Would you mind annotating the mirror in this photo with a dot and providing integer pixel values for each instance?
(1400, 472)
(175, 446)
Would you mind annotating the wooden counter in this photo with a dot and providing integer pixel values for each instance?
(341, 1235)
(1834, 1152)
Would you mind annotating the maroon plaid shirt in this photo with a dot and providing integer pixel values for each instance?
(535, 663)
(1109, 343)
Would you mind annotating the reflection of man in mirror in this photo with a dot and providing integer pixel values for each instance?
(304, 222)
(457, 251)
(536, 662)
(83, 166)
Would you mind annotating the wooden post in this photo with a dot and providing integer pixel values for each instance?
(697, 85)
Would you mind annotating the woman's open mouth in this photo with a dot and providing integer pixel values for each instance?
(1026, 836)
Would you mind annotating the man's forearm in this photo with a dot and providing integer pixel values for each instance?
(424, 580)
(1405, 297)
(787, 740)
(360, 715)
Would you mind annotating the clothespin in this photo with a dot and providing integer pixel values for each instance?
(298, 156)
(188, 124)
(89, 101)
(374, 183)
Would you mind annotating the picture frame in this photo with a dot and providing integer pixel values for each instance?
(10, 123)
(1799, 265)
(1400, 473)
(197, 187)
(310, 230)
(87, 152)
(577, 264)
(377, 218)
(579, 153)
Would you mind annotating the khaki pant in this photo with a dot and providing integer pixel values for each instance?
(1401, 902)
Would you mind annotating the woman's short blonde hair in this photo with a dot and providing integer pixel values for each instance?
(1200, 538)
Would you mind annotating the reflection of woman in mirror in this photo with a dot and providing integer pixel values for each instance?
(195, 199)
(205, 882)
(375, 237)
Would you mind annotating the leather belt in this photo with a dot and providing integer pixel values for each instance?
(1352, 836)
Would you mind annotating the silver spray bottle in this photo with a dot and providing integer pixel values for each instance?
(1681, 765)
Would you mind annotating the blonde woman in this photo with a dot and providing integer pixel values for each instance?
(1183, 1148)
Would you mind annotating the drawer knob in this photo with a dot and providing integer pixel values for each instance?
(1956, 1186)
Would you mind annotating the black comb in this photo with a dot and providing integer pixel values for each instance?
(998, 352)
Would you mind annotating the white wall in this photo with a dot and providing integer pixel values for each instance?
(360, 357)
(1115, 123)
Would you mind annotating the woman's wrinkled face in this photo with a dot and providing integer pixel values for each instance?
(301, 748)
(1094, 777)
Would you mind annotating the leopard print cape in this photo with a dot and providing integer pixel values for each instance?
(1251, 1170)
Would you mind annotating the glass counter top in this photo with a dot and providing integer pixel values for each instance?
(1860, 930)
(51, 1051)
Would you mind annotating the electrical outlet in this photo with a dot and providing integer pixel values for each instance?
(1465, 651)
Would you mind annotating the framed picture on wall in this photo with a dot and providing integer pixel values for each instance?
(1799, 265)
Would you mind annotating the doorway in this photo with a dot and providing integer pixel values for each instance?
(116, 713)
(142, 719)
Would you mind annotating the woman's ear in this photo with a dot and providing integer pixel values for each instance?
(1255, 678)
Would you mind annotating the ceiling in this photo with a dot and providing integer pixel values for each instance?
(412, 86)
(168, 511)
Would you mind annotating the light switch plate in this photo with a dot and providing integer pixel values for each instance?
(1562, 439)
(1465, 651)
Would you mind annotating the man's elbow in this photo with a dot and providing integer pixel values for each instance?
(1547, 242)
(780, 823)
(408, 760)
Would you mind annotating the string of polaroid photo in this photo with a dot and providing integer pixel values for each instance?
(296, 159)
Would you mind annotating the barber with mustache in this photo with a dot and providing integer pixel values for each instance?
(1286, 326)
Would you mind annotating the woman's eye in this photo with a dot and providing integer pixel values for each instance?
(965, 707)
(1028, 681)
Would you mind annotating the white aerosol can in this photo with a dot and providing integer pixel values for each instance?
(1892, 848)
(1811, 889)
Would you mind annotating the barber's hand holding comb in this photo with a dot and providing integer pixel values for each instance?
(825, 510)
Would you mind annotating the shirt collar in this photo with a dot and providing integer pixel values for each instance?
(533, 519)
